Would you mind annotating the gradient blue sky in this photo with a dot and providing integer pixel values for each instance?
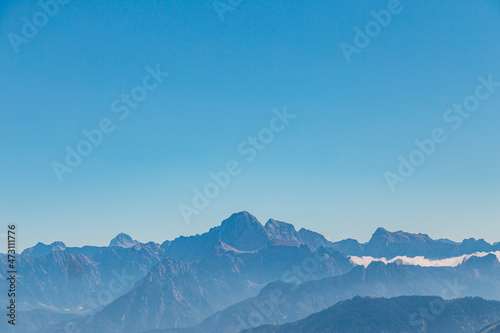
(325, 172)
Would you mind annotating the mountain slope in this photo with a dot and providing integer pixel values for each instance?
(70, 280)
(218, 276)
(281, 302)
(401, 314)
(241, 231)
(179, 294)
(388, 244)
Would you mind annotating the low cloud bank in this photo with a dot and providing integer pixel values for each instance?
(422, 261)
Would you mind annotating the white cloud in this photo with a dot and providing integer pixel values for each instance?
(422, 261)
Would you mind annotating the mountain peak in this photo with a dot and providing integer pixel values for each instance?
(273, 222)
(386, 243)
(41, 249)
(484, 262)
(447, 241)
(58, 246)
(381, 230)
(240, 221)
(243, 231)
(382, 234)
(313, 239)
(123, 240)
(282, 231)
(241, 217)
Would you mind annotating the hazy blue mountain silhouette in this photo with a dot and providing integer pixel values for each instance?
(206, 279)
(401, 314)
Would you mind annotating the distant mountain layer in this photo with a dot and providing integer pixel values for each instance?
(79, 279)
(179, 294)
(401, 314)
(242, 231)
(214, 280)
(281, 302)
(392, 244)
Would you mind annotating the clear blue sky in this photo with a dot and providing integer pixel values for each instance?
(325, 171)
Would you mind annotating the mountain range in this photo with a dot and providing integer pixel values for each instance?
(239, 275)
(401, 314)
